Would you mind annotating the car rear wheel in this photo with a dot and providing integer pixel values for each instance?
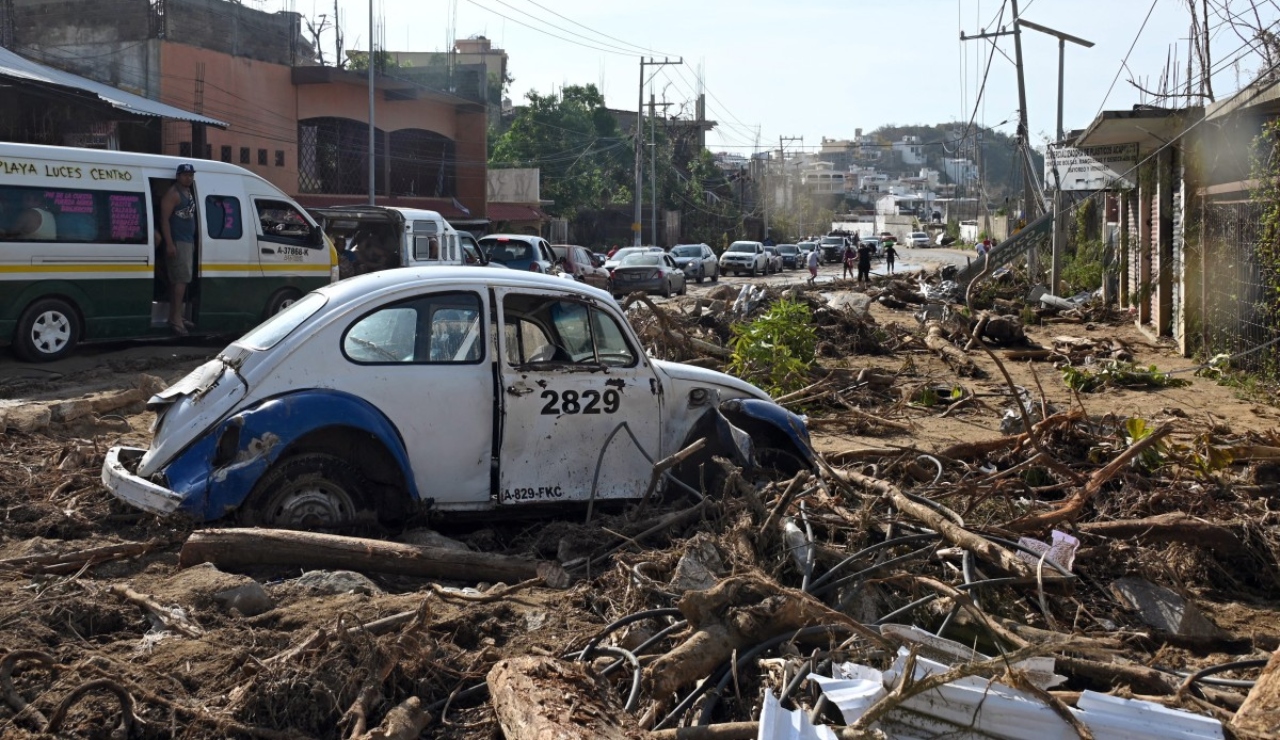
(666, 289)
(308, 491)
(684, 287)
(715, 276)
(753, 270)
(48, 330)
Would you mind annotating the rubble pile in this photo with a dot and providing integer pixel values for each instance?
(1087, 573)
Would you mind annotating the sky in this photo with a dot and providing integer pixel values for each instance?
(824, 68)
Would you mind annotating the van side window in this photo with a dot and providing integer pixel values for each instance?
(426, 245)
(283, 223)
(66, 215)
(222, 217)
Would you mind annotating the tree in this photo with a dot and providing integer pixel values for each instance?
(574, 139)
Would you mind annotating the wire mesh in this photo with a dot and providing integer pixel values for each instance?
(1238, 309)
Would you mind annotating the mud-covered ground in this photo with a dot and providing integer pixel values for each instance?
(100, 628)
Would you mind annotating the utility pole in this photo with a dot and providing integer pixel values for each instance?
(1030, 199)
(1059, 228)
(639, 139)
(372, 145)
(786, 180)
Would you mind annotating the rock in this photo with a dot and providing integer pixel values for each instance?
(337, 582)
(700, 566)
(858, 304)
(430, 538)
(27, 418)
(1164, 610)
(722, 292)
(204, 583)
(251, 599)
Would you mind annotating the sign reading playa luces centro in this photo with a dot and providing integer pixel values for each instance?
(1091, 167)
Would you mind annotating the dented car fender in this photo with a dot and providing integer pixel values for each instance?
(227, 463)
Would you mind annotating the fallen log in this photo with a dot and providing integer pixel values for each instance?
(69, 562)
(539, 698)
(1171, 527)
(980, 546)
(1259, 716)
(936, 340)
(970, 450)
(737, 613)
(1074, 506)
(242, 548)
(172, 619)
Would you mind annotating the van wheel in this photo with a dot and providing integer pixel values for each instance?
(48, 330)
(279, 301)
(309, 491)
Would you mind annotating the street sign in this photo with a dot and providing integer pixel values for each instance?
(635, 226)
(1091, 167)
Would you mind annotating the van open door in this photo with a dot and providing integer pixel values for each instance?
(160, 285)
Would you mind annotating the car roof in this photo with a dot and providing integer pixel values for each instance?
(383, 281)
(511, 237)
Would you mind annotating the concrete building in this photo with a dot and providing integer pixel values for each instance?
(909, 150)
(301, 126)
(960, 171)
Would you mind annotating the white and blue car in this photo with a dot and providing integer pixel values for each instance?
(451, 389)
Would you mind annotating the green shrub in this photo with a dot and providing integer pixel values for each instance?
(776, 350)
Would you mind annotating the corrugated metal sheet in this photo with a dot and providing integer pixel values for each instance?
(20, 68)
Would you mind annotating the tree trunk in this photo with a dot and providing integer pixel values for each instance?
(539, 698)
(240, 548)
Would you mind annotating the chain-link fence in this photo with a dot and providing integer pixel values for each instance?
(1237, 315)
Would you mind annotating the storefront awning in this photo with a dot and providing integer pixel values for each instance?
(15, 67)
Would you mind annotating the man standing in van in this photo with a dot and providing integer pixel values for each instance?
(178, 227)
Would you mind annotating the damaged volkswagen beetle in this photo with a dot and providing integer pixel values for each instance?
(449, 389)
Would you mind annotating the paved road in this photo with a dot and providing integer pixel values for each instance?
(909, 260)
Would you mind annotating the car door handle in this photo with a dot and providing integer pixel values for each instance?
(267, 250)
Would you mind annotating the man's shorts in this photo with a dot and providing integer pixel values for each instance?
(180, 265)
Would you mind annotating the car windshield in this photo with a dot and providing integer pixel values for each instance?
(693, 251)
(560, 252)
(269, 333)
(505, 250)
(742, 247)
(788, 249)
(646, 258)
(622, 254)
(832, 239)
(919, 235)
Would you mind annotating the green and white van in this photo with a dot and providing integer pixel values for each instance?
(95, 268)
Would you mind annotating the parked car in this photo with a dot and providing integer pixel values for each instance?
(874, 243)
(519, 252)
(697, 260)
(791, 256)
(652, 272)
(578, 262)
(805, 248)
(621, 254)
(379, 396)
(775, 260)
(887, 238)
(833, 248)
(740, 257)
(917, 239)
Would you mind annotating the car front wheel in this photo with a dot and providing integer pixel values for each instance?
(715, 276)
(701, 270)
(308, 491)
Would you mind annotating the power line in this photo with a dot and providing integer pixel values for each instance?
(626, 43)
(552, 35)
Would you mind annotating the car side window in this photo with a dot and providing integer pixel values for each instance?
(550, 329)
(432, 329)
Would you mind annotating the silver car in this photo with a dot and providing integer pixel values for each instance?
(697, 261)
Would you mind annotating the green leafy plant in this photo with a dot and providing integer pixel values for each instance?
(777, 349)
(1118, 374)
(1136, 430)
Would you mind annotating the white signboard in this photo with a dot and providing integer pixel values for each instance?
(1092, 167)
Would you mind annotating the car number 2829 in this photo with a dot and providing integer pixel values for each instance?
(586, 402)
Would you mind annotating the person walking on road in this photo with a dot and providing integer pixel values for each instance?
(864, 263)
(890, 254)
(847, 258)
(812, 263)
